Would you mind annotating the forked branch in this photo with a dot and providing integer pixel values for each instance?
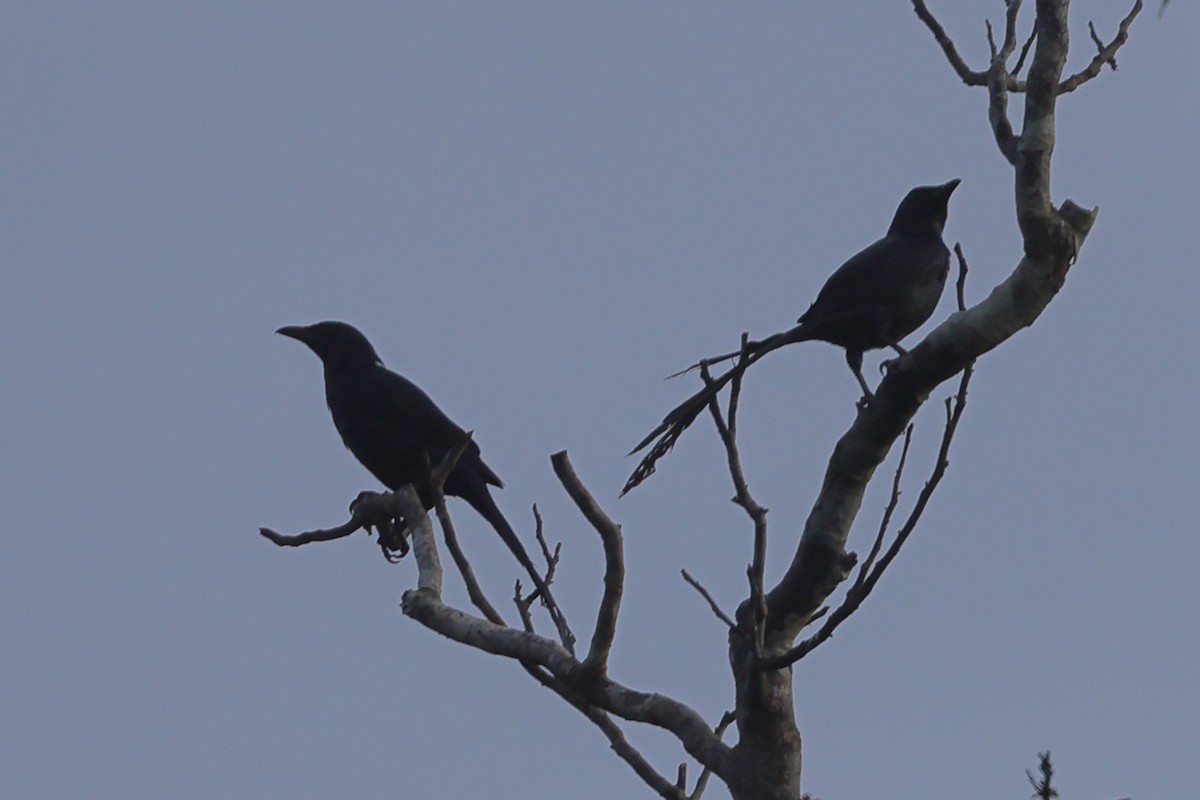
(871, 572)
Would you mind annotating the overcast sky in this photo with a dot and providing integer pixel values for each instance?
(536, 211)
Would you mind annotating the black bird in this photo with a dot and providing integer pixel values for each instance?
(882, 294)
(398, 433)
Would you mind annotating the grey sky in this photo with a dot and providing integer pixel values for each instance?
(537, 210)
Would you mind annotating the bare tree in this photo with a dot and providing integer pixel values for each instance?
(765, 631)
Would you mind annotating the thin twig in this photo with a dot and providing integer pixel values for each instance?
(727, 430)
(523, 603)
(960, 287)
(893, 501)
(716, 609)
(816, 615)
(437, 480)
(551, 559)
(1112, 62)
(474, 590)
(1024, 51)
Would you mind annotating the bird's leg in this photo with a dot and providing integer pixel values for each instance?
(886, 364)
(854, 359)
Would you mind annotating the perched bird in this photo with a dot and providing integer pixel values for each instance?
(398, 433)
(882, 294)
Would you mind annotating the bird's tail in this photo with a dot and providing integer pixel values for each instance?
(483, 503)
(683, 415)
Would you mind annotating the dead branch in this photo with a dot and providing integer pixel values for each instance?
(862, 588)
(369, 510)
(1106, 54)
(702, 782)
(596, 662)
(727, 430)
(616, 737)
(425, 605)
(893, 501)
(319, 535)
(429, 565)
(960, 286)
(1024, 52)
(427, 608)
(969, 76)
(551, 558)
(716, 609)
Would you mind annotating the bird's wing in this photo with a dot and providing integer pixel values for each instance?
(419, 419)
(869, 278)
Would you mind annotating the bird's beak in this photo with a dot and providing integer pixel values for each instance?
(949, 186)
(297, 332)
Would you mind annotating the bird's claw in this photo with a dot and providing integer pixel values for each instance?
(886, 365)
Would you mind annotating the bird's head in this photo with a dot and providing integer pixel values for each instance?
(923, 210)
(337, 344)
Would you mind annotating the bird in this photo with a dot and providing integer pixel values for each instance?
(398, 433)
(880, 295)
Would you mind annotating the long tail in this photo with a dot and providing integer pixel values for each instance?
(483, 503)
(683, 415)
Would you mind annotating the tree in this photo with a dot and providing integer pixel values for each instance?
(765, 760)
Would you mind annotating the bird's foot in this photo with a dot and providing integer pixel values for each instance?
(393, 540)
(864, 401)
(392, 533)
(886, 365)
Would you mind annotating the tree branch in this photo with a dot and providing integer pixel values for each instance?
(1107, 54)
(969, 76)
(319, 535)
(998, 84)
(427, 608)
(868, 578)
(616, 738)
(369, 510)
(474, 590)
(429, 565)
(960, 286)
(425, 605)
(596, 662)
(894, 500)
(702, 782)
(716, 609)
(727, 431)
